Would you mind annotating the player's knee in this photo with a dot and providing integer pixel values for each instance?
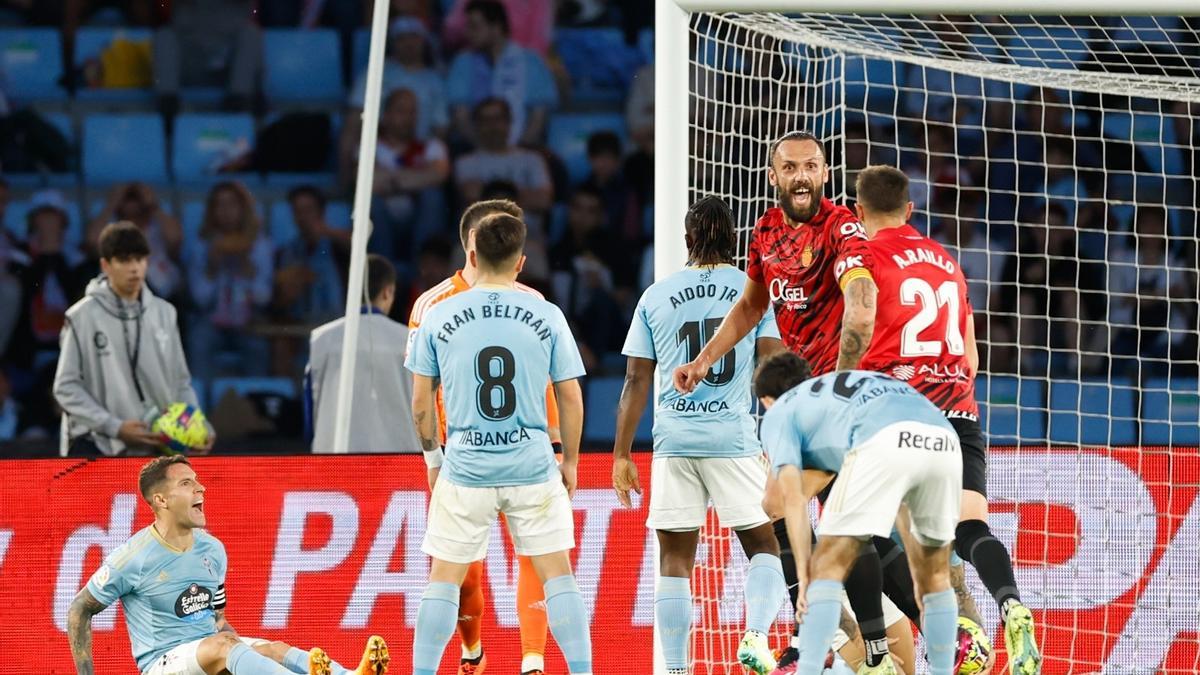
(760, 539)
(966, 534)
(276, 651)
(215, 649)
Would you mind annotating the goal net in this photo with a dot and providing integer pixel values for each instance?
(1057, 159)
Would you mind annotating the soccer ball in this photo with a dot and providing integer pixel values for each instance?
(183, 427)
(974, 649)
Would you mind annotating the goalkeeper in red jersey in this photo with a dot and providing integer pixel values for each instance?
(792, 254)
(907, 314)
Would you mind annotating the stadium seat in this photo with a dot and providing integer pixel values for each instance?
(90, 42)
(302, 65)
(283, 228)
(568, 134)
(280, 386)
(1171, 412)
(873, 84)
(1012, 409)
(15, 221)
(1046, 46)
(32, 64)
(360, 52)
(645, 44)
(123, 148)
(203, 141)
(1092, 413)
(601, 64)
(69, 179)
(599, 419)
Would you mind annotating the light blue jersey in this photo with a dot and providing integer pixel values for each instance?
(815, 424)
(494, 349)
(674, 319)
(169, 596)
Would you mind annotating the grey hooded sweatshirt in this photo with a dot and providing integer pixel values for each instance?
(118, 361)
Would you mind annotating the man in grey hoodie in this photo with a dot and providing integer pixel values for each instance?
(121, 356)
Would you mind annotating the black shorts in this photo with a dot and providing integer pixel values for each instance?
(974, 454)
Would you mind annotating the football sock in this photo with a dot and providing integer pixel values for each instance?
(941, 630)
(975, 544)
(864, 588)
(243, 660)
(673, 611)
(788, 561)
(765, 590)
(820, 623)
(569, 623)
(435, 625)
(470, 611)
(531, 615)
(897, 578)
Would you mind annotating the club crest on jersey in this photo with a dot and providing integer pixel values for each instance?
(193, 603)
(806, 256)
(792, 296)
(904, 372)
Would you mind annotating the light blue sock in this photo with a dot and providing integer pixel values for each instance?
(296, 660)
(568, 622)
(765, 591)
(436, 618)
(673, 611)
(824, 599)
(941, 630)
(243, 660)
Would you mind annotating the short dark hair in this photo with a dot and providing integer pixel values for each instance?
(476, 212)
(779, 373)
(499, 238)
(309, 190)
(709, 225)
(380, 275)
(492, 11)
(793, 136)
(154, 472)
(123, 240)
(31, 218)
(604, 143)
(882, 189)
(492, 101)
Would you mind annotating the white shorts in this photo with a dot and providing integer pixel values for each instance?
(540, 519)
(891, 616)
(680, 488)
(182, 659)
(919, 465)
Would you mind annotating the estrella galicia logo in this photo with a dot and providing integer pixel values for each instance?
(194, 604)
(100, 340)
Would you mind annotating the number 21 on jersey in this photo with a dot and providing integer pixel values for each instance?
(918, 292)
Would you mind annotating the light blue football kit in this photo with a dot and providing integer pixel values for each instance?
(673, 321)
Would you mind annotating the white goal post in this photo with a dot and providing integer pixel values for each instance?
(1121, 490)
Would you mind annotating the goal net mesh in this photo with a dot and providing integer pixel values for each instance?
(1056, 158)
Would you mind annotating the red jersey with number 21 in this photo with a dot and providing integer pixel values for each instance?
(796, 265)
(921, 316)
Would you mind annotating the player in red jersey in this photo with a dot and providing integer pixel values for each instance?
(792, 254)
(907, 314)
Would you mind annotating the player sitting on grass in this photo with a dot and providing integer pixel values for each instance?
(891, 448)
(170, 579)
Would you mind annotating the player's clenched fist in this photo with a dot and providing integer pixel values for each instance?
(689, 375)
(570, 476)
(625, 480)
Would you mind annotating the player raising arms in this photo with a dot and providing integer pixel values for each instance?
(705, 443)
(531, 603)
(890, 448)
(494, 347)
(170, 579)
(907, 314)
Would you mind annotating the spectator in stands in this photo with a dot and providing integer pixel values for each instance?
(534, 30)
(408, 66)
(410, 176)
(11, 258)
(584, 281)
(1152, 290)
(382, 386)
(10, 413)
(639, 120)
(122, 359)
(48, 283)
(230, 276)
(496, 158)
(433, 267)
(604, 154)
(208, 43)
(495, 66)
(139, 204)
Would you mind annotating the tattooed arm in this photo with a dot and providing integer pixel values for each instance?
(223, 625)
(966, 603)
(424, 410)
(858, 321)
(79, 629)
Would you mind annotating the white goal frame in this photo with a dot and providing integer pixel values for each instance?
(672, 155)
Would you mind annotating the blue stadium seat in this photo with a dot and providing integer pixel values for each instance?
(873, 84)
(302, 65)
(32, 64)
(1012, 410)
(64, 123)
(283, 227)
(90, 42)
(360, 52)
(1092, 413)
(1047, 46)
(645, 43)
(600, 62)
(15, 217)
(1171, 412)
(281, 386)
(602, 396)
(568, 134)
(123, 148)
(202, 140)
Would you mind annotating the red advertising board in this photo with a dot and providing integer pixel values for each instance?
(325, 551)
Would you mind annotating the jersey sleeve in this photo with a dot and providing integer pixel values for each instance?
(639, 342)
(767, 328)
(780, 441)
(754, 267)
(222, 565)
(853, 260)
(422, 355)
(565, 361)
(115, 578)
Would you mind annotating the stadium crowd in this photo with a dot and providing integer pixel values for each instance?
(532, 100)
